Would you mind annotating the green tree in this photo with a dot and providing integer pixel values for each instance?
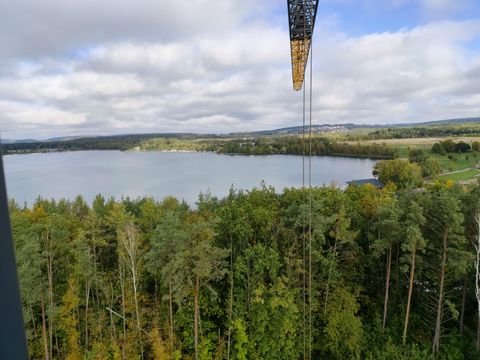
(417, 156)
(343, 330)
(430, 167)
(240, 340)
(166, 243)
(413, 244)
(476, 146)
(462, 147)
(197, 264)
(158, 346)
(130, 251)
(267, 304)
(448, 145)
(69, 321)
(400, 172)
(437, 148)
(30, 265)
(445, 219)
(388, 235)
(342, 237)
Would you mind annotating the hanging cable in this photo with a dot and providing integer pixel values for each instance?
(304, 235)
(304, 217)
(310, 204)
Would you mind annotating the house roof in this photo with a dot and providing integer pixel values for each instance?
(373, 182)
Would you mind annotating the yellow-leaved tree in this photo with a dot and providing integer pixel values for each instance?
(69, 321)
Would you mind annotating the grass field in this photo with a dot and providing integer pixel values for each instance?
(461, 175)
(449, 162)
(458, 161)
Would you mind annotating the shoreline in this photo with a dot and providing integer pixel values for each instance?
(351, 156)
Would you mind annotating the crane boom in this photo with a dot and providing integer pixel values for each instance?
(301, 19)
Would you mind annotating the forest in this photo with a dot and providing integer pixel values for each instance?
(467, 129)
(295, 146)
(113, 142)
(366, 274)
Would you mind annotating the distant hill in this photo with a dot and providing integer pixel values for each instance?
(295, 130)
(114, 142)
(350, 126)
(20, 141)
(121, 136)
(111, 141)
(436, 123)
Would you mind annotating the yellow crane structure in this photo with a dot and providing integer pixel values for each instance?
(301, 19)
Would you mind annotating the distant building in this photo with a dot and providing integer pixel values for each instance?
(373, 182)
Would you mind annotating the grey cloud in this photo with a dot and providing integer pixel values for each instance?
(46, 27)
(236, 80)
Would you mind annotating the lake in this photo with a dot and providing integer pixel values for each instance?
(159, 174)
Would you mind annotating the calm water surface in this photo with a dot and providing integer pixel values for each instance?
(159, 174)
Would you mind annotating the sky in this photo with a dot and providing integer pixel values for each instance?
(99, 67)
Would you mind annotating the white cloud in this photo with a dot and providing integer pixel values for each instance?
(40, 116)
(408, 75)
(233, 78)
(59, 87)
(46, 27)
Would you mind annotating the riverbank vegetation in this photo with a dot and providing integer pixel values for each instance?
(393, 275)
(297, 146)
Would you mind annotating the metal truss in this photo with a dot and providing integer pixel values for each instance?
(301, 18)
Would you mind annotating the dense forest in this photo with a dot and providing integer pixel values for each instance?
(114, 142)
(295, 146)
(470, 129)
(367, 274)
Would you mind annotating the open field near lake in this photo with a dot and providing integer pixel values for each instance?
(461, 175)
(419, 141)
(455, 166)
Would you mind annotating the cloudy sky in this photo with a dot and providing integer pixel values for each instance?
(85, 67)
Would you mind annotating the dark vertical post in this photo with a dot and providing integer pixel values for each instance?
(13, 344)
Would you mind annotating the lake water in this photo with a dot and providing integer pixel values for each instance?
(159, 174)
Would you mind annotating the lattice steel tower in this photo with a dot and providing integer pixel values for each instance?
(301, 18)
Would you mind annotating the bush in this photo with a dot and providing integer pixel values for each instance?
(476, 146)
(448, 145)
(430, 167)
(438, 149)
(462, 147)
(417, 156)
